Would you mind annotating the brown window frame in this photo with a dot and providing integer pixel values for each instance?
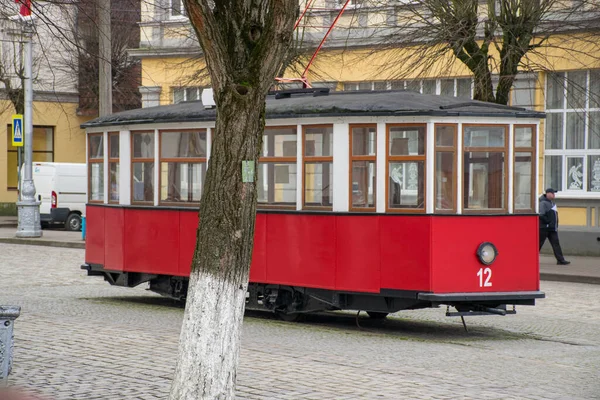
(353, 158)
(113, 160)
(531, 150)
(504, 149)
(446, 149)
(405, 158)
(95, 161)
(184, 160)
(135, 160)
(315, 159)
(273, 159)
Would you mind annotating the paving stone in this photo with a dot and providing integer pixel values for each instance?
(79, 338)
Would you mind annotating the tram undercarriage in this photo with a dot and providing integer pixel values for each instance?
(290, 302)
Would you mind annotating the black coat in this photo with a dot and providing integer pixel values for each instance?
(548, 214)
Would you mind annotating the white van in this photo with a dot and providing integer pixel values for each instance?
(62, 190)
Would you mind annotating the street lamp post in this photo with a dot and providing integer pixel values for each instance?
(28, 207)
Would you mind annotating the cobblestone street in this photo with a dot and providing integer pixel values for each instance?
(79, 338)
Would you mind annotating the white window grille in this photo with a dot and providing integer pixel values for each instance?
(572, 138)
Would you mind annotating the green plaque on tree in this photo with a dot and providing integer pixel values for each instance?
(247, 171)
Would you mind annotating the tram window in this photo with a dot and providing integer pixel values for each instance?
(277, 184)
(183, 144)
(406, 167)
(113, 167)
(181, 182)
(363, 157)
(277, 169)
(182, 166)
(142, 170)
(318, 189)
(406, 189)
(96, 150)
(96, 167)
(407, 141)
(523, 136)
(318, 166)
(485, 136)
(523, 180)
(524, 171)
(484, 183)
(445, 168)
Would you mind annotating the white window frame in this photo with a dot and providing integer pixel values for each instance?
(183, 15)
(565, 153)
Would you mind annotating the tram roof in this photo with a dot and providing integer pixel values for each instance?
(336, 104)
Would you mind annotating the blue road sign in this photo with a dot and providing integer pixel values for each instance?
(17, 130)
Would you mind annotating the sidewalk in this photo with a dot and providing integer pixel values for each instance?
(581, 269)
(8, 222)
(56, 237)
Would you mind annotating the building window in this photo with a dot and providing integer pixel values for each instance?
(277, 168)
(318, 166)
(177, 9)
(405, 149)
(524, 171)
(523, 92)
(572, 138)
(445, 168)
(182, 165)
(113, 167)
(363, 167)
(142, 167)
(485, 149)
(182, 94)
(43, 151)
(454, 87)
(96, 167)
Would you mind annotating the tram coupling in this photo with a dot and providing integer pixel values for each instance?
(476, 310)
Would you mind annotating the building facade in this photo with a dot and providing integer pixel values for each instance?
(564, 85)
(65, 80)
(56, 133)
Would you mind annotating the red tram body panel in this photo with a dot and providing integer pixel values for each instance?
(362, 253)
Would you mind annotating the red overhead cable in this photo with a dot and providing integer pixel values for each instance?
(325, 38)
(303, 78)
(308, 3)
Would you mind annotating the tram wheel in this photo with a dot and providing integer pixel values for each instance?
(289, 317)
(377, 315)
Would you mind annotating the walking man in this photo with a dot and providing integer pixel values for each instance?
(549, 225)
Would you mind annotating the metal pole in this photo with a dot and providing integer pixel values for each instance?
(105, 59)
(19, 172)
(28, 207)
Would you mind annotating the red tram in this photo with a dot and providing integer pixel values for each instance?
(374, 201)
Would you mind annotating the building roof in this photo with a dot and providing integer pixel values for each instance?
(300, 104)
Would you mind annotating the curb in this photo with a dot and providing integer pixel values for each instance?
(549, 276)
(48, 243)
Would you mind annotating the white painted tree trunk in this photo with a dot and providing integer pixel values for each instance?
(244, 42)
(213, 351)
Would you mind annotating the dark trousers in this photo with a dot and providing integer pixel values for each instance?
(553, 239)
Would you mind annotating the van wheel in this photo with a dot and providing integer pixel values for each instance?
(73, 222)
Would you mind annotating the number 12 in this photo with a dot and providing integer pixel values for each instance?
(488, 274)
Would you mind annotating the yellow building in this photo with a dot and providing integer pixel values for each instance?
(56, 137)
(569, 143)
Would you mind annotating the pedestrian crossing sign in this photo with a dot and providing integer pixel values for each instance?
(17, 130)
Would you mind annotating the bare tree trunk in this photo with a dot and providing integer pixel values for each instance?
(244, 43)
